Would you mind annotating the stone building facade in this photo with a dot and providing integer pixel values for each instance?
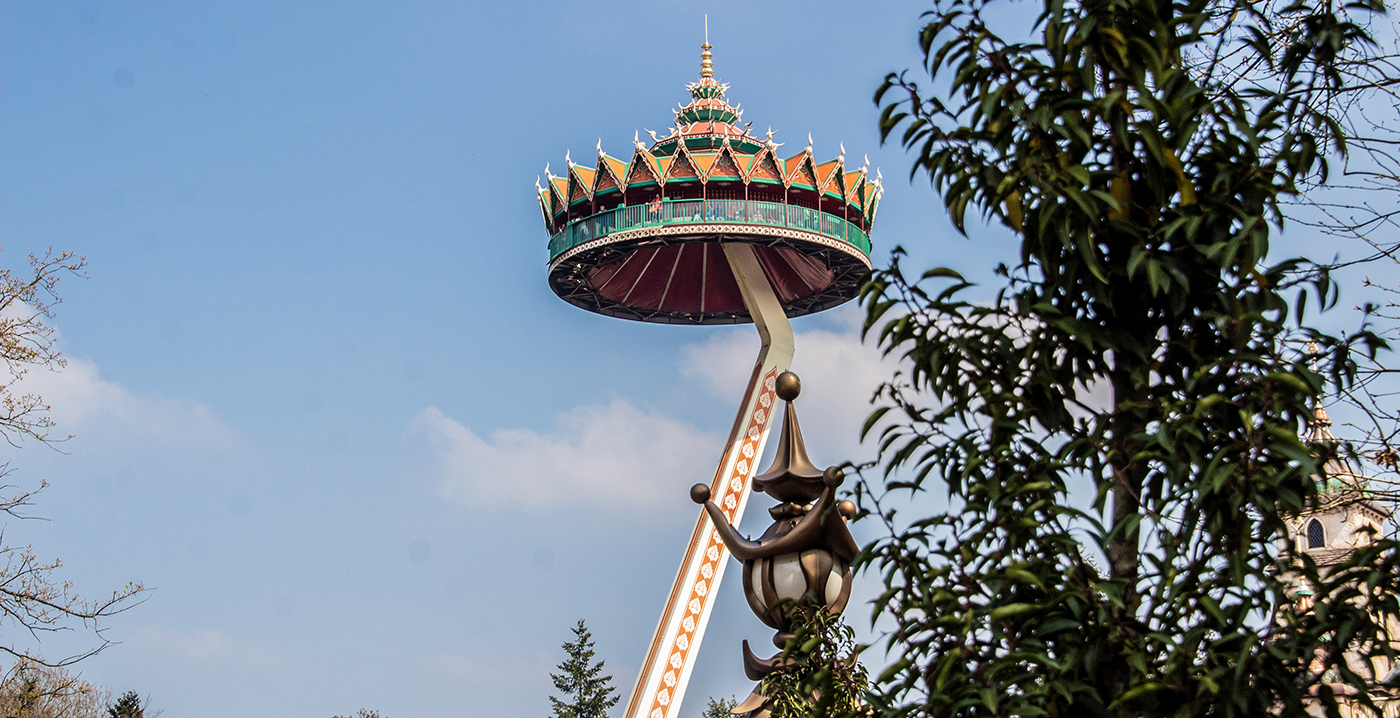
(1348, 517)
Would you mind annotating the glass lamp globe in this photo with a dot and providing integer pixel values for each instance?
(798, 577)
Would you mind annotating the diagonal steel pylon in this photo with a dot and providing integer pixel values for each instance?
(671, 657)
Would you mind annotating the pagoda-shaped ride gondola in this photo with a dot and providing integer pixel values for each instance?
(638, 238)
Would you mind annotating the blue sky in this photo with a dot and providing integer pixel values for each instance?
(325, 404)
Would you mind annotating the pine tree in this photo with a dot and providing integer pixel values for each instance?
(128, 706)
(719, 708)
(588, 694)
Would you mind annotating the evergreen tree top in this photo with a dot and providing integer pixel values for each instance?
(586, 693)
(128, 706)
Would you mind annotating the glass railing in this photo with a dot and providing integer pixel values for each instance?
(696, 211)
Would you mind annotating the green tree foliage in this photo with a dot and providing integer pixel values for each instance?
(585, 692)
(823, 675)
(128, 706)
(1142, 349)
(719, 708)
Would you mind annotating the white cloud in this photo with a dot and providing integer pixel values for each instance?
(497, 672)
(207, 646)
(618, 454)
(839, 375)
(613, 454)
(91, 407)
(84, 404)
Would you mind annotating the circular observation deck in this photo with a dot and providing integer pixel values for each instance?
(662, 261)
(643, 237)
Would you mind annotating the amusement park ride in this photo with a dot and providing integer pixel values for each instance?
(709, 225)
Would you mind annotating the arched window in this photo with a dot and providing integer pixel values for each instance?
(1315, 537)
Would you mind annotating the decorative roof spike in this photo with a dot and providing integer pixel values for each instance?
(600, 145)
(537, 184)
(809, 142)
(843, 152)
(654, 138)
(707, 65)
(547, 173)
(867, 163)
(1319, 430)
(567, 162)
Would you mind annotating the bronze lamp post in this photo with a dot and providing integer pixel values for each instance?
(805, 556)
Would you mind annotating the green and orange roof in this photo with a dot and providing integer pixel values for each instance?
(707, 144)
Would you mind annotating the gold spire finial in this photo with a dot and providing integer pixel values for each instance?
(707, 65)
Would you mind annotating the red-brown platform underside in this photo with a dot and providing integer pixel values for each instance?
(695, 277)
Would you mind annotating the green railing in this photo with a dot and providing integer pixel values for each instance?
(708, 211)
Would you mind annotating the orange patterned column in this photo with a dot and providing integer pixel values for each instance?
(666, 671)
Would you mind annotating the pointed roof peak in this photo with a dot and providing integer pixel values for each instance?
(1320, 428)
(707, 65)
(707, 87)
(708, 117)
(792, 476)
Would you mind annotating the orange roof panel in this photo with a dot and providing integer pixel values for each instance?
(585, 175)
(560, 186)
(617, 166)
(825, 172)
(704, 161)
(799, 170)
(744, 162)
(853, 181)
